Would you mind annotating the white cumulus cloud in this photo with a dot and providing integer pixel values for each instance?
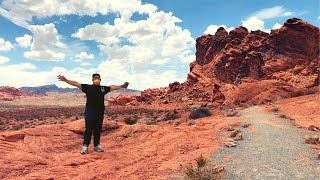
(5, 45)
(84, 55)
(253, 23)
(24, 41)
(212, 29)
(4, 59)
(44, 55)
(21, 12)
(45, 40)
(149, 52)
(104, 33)
(277, 26)
(143, 51)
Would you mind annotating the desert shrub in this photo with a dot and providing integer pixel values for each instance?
(308, 92)
(171, 116)
(203, 171)
(75, 119)
(177, 123)
(17, 127)
(199, 113)
(201, 161)
(41, 123)
(114, 116)
(130, 120)
(191, 122)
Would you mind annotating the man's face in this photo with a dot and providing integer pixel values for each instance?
(96, 80)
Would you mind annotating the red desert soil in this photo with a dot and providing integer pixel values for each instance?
(131, 151)
(303, 109)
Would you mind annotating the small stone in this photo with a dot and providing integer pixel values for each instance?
(229, 140)
(238, 137)
(230, 144)
(312, 139)
(246, 125)
(230, 128)
(234, 133)
(313, 128)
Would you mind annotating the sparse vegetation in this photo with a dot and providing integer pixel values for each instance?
(151, 121)
(191, 122)
(130, 120)
(201, 161)
(177, 123)
(308, 92)
(171, 116)
(200, 113)
(17, 127)
(203, 171)
(114, 116)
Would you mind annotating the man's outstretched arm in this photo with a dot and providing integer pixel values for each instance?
(72, 83)
(116, 87)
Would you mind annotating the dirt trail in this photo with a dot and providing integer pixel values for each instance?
(272, 149)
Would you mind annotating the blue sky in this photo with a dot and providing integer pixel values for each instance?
(148, 43)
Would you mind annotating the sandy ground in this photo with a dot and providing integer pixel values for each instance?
(141, 151)
(137, 151)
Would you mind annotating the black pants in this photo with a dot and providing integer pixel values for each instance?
(94, 119)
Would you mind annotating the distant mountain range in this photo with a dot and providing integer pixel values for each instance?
(54, 88)
(49, 88)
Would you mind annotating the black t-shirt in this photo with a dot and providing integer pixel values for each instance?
(95, 95)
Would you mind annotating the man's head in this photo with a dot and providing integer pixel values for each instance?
(96, 79)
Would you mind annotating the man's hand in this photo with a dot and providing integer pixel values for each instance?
(116, 87)
(125, 85)
(62, 78)
(72, 83)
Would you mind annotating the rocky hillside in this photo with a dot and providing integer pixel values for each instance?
(10, 93)
(248, 67)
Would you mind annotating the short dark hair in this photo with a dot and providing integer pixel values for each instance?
(95, 74)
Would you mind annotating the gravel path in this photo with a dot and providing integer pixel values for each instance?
(274, 150)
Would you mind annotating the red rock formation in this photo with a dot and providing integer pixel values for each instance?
(251, 66)
(122, 100)
(10, 93)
